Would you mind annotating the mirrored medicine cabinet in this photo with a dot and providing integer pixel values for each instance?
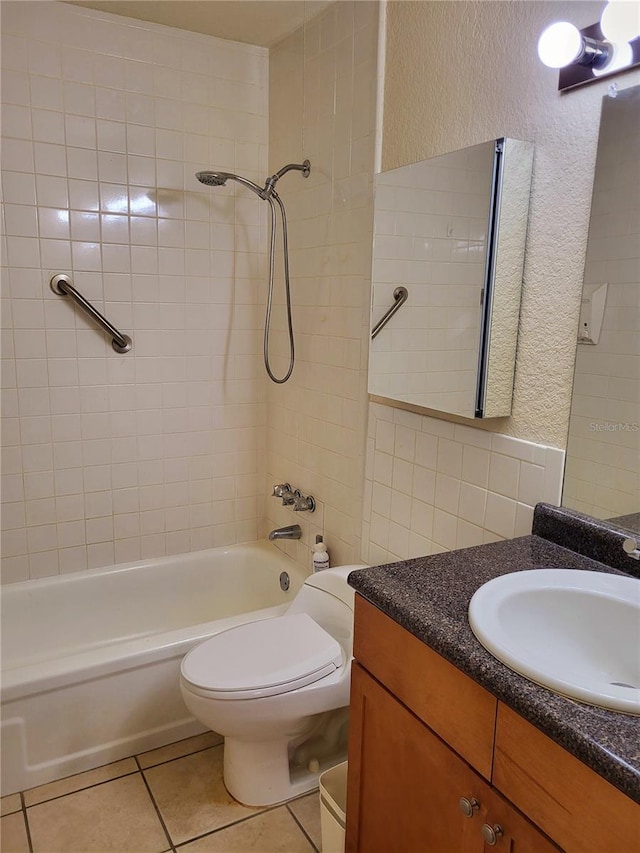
(451, 232)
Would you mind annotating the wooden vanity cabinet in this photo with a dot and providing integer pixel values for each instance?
(405, 787)
(428, 743)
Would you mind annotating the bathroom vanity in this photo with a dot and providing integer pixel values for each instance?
(451, 751)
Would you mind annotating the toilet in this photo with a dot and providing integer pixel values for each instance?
(278, 691)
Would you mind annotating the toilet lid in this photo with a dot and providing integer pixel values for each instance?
(263, 658)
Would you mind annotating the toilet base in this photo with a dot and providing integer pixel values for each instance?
(260, 774)
(257, 774)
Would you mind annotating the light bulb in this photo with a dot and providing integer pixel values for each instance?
(559, 45)
(620, 21)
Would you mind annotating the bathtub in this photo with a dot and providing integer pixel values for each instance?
(91, 660)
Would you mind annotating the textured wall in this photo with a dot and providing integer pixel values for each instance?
(460, 73)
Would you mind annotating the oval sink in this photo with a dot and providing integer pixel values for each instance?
(575, 632)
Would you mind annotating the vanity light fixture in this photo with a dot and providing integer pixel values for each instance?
(608, 47)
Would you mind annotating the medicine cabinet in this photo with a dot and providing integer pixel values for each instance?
(451, 232)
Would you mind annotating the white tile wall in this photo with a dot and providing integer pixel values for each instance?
(107, 457)
(322, 106)
(432, 486)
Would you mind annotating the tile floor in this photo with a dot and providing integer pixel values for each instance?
(168, 799)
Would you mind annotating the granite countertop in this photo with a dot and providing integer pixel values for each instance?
(429, 596)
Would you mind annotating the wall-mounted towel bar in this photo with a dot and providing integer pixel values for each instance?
(400, 295)
(61, 284)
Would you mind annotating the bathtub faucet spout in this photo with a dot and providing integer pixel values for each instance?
(293, 531)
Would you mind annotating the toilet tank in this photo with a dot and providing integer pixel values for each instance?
(329, 600)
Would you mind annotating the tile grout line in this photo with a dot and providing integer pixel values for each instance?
(301, 827)
(26, 822)
(177, 758)
(77, 790)
(155, 805)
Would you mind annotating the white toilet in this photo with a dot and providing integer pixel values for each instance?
(278, 690)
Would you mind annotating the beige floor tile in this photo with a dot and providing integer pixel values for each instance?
(192, 797)
(13, 834)
(180, 748)
(307, 811)
(271, 832)
(79, 781)
(116, 816)
(10, 803)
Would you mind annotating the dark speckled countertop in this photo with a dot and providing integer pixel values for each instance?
(429, 596)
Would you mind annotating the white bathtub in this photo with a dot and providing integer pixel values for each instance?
(90, 660)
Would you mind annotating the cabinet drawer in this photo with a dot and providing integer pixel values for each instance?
(460, 711)
(580, 810)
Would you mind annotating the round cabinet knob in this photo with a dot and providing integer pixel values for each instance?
(491, 834)
(468, 806)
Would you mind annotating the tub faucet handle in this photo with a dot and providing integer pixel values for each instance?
(280, 490)
(283, 490)
(288, 498)
(302, 503)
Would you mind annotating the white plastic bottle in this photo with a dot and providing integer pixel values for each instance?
(320, 555)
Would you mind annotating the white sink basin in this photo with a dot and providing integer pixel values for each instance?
(575, 632)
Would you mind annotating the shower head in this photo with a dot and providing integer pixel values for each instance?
(212, 179)
(219, 179)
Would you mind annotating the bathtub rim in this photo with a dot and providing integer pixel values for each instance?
(150, 563)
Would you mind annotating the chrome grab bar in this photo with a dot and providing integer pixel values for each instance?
(61, 284)
(400, 295)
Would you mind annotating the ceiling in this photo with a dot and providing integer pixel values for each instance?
(261, 22)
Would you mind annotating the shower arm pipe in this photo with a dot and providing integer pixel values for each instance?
(287, 289)
(304, 167)
(61, 284)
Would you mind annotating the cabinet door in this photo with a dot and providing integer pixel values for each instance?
(404, 783)
(513, 832)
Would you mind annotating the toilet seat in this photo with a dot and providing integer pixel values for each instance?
(263, 658)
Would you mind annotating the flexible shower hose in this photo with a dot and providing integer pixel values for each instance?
(287, 289)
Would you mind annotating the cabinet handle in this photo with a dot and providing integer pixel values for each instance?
(468, 806)
(491, 834)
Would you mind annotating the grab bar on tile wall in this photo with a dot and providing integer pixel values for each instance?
(61, 284)
(400, 295)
